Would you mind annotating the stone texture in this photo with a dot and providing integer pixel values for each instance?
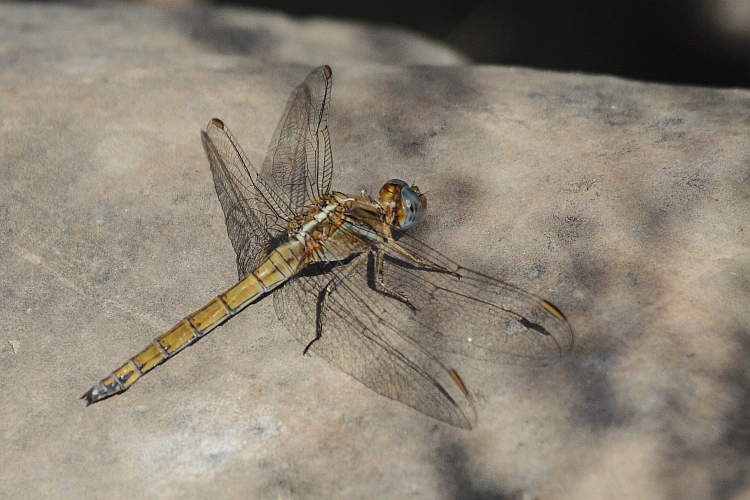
(626, 204)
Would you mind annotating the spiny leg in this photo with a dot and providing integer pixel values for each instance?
(378, 284)
(413, 259)
(320, 310)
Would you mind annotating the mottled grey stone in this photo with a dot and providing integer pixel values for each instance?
(624, 203)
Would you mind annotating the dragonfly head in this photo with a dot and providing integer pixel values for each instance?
(407, 202)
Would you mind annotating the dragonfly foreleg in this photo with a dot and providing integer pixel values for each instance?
(321, 309)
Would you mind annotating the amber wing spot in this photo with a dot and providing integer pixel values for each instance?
(553, 310)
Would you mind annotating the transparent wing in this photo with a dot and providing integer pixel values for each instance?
(401, 353)
(251, 209)
(299, 164)
(472, 314)
(369, 347)
(297, 169)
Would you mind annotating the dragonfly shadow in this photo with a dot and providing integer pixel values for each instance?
(730, 473)
(598, 409)
(454, 470)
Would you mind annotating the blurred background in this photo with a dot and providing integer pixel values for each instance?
(695, 42)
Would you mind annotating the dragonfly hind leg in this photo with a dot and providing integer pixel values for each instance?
(377, 282)
(320, 312)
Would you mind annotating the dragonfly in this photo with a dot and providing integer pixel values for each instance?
(348, 281)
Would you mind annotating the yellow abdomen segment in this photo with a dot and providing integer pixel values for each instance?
(281, 264)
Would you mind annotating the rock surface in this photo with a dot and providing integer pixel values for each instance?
(626, 204)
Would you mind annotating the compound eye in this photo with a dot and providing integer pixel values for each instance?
(409, 211)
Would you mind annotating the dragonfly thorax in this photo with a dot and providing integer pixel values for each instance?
(319, 219)
(406, 201)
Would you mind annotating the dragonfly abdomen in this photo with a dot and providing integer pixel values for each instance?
(281, 264)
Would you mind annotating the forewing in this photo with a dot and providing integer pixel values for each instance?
(471, 314)
(299, 164)
(252, 218)
(359, 340)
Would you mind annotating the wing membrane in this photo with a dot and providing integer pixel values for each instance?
(252, 219)
(298, 168)
(300, 165)
(472, 314)
(373, 350)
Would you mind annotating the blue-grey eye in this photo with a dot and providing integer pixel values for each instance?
(411, 208)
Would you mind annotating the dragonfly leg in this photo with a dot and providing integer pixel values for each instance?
(413, 259)
(320, 313)
(379, 284)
